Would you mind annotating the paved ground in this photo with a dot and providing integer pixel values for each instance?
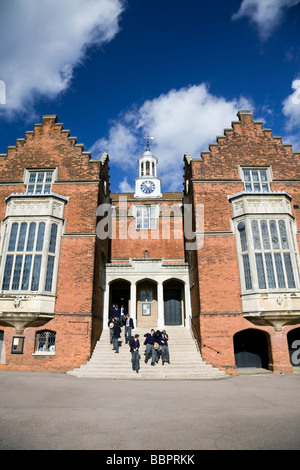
(57, 411)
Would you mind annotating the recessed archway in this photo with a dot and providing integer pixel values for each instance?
(120, 294)
(251, 349)
(147, 307)
(173, 302)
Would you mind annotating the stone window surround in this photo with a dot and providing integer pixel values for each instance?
(264, 206)
(149, 206)
(27, 172)
(40, 210)
(267, 168)
(21, 308)
(276, 306)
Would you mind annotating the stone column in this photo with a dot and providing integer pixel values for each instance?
(160, 305)
(133, 303)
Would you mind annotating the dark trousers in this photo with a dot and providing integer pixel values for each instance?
(150, 351)
(165, 356)
(127, 334)
(116, 344)
(135, 359)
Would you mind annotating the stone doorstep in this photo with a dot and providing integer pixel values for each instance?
(186, 361)
(252, 371)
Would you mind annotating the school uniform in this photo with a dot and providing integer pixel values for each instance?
(135, 354)
(123, 312)
(157, 352)
(111, 332)
(129, 326)
(165, 355)
(116, 336)
(150, 351)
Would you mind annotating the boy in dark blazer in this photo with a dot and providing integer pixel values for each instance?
(129, 326)
(135, 353)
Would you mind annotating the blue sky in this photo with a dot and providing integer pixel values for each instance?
(178, 70)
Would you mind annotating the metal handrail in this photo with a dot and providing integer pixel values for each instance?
(198, 339)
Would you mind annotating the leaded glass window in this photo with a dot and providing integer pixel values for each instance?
(13, 237)
(247, 272)
(256, 180)
(40, 237)
(26, 272)
(146, 295)
(245, 257)
(274, 267)
(53, 238)
(27, 258)
(49, 275)
(45, 341)
(40, 182)
(7, 272)
(31, 236)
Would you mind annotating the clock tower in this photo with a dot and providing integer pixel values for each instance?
(147, 185)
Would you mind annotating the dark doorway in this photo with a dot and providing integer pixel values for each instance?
(293, 338)
(172, 305)
(120, 293)
(251, 349)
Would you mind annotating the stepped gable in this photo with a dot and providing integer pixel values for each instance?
(49, 144)
(247, 143)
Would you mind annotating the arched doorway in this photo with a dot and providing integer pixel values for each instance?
(147, 308)
(173, 302)
(293, 338)
(120, 294)
(251, 349)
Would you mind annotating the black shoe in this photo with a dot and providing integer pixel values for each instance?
(152, 364)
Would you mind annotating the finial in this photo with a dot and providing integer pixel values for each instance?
(148, 142)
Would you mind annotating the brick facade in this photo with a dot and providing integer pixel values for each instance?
(78, 307)
(214, 176)
(209, 278)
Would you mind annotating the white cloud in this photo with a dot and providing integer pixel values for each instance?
(184, 120)
(265, 14)
(291, 106)
(119, 144)
(125, 187)
(291, 110)
(42, 42)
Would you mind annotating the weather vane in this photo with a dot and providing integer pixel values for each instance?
(148, 142)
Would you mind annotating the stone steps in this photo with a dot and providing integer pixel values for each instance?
(186, 362)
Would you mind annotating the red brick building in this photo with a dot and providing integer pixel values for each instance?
(50, 302)
(221, 257)
(245, 293)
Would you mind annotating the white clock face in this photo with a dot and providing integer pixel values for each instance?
(147, 187)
